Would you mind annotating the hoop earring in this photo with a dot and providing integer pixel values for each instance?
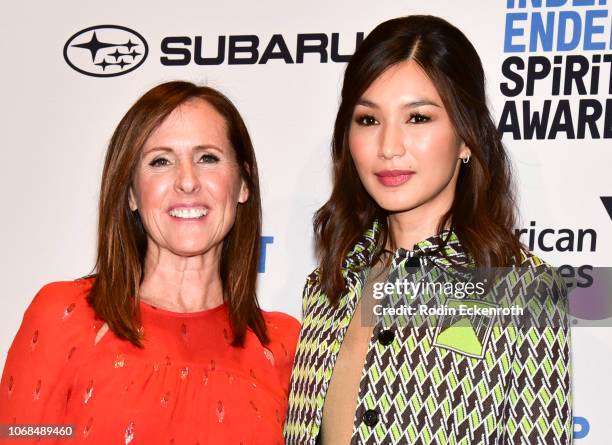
(466, 159)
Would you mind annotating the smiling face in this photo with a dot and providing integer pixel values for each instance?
(187, 184)
(403, 143)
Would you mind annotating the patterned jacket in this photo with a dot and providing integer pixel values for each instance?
(505, 384)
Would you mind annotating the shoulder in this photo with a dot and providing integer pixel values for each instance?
(312, 289)
(543, 278)
(313, 282)
(281, 324)
(57, 321)
(541, 269)
(59, 300)
(314, 276)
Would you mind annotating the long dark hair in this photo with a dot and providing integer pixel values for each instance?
(483, 210)
(122, 241)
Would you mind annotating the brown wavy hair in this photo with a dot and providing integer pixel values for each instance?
(122, 240)
(484, 207)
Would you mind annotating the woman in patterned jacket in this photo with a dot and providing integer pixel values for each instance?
(422, 193)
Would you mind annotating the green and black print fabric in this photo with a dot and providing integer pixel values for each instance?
(443, 380)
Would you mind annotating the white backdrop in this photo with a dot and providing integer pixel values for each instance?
(56, 123)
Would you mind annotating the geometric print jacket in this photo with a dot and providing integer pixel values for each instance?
(501, 384)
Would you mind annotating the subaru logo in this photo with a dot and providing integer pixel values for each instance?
(105, 51)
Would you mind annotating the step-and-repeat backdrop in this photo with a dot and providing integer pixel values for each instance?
(64, 89)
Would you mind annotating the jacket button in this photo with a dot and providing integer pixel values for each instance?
(370, 417)
(386, 337)
(413, 261)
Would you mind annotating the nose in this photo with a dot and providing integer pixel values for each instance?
(187, 179)
(392, 141)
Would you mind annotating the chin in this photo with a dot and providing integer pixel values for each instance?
(187, 253)
(396, 205)
(189, 250)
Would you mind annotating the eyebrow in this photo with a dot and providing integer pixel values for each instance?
(170, 150)
(412, 104)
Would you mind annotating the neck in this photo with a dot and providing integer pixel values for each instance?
(409, 227)
(181, 284)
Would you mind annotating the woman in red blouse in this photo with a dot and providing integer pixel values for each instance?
(165, 343)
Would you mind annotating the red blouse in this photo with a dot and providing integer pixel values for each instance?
(186, 386)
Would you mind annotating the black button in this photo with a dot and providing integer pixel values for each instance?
(370, 417)
(413, 261)
(386, 336)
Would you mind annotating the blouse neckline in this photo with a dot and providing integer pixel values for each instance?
(156, 310)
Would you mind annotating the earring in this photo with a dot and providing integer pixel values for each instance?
(466, 159)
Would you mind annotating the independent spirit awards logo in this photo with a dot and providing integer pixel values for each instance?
(105, 51)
